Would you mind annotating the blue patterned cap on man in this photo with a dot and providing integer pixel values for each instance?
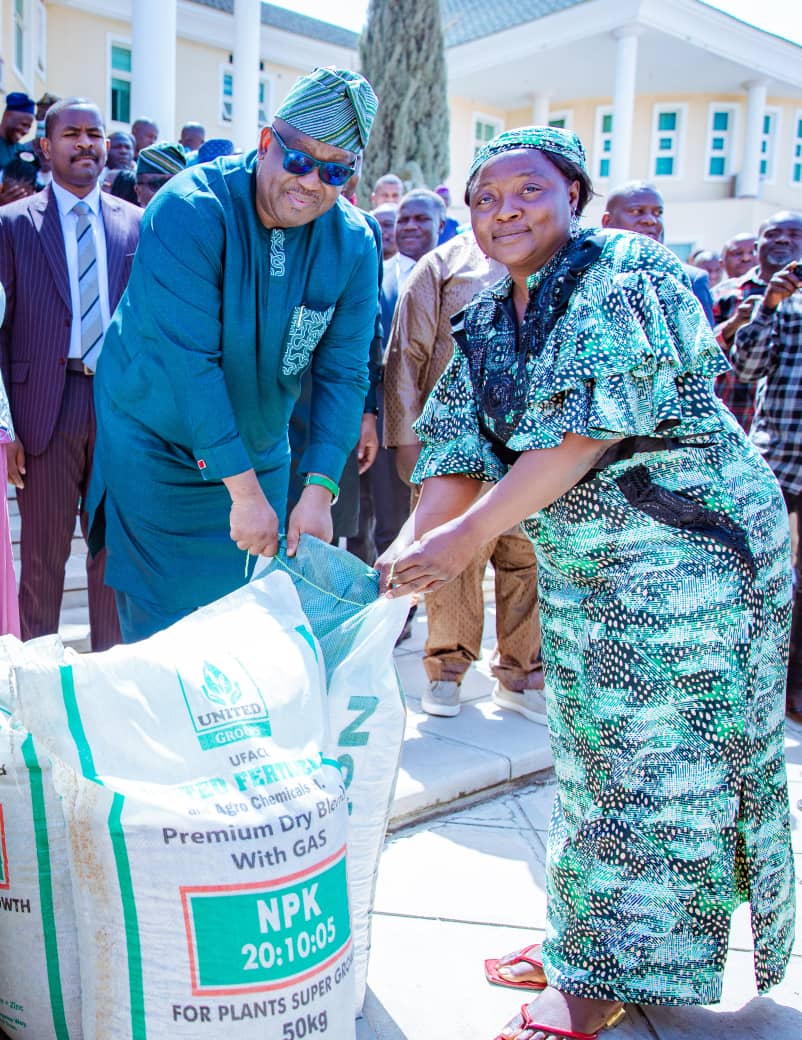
(214, 148)
(16, 101)
(335, 106)
(543, 138)
(164, 158)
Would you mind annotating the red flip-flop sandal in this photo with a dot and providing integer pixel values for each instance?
(567, 1034)
(493, 977)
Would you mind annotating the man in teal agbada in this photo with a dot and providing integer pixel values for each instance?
(250, 269)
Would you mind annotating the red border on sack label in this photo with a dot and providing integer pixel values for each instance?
(186, 891)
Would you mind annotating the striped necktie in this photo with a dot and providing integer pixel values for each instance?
(88, 290)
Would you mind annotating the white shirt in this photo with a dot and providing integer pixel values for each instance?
(69, 223)
(405, 265)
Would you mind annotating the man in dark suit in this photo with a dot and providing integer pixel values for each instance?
(65, 257)
(638, 206)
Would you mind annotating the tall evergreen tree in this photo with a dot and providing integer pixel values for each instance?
(401, 53)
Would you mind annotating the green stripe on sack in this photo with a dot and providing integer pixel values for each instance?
(76, 725)
(133, 945)
(45, 889)
(130, 920)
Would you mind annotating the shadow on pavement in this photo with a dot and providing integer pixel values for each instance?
(377, 1023)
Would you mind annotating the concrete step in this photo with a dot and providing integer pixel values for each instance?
(74, 598)
(76, 636)
(73, 625)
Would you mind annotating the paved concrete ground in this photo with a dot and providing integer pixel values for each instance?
(469, 884)
(483, 747)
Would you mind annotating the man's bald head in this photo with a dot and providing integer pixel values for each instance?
(636, 206)
(738, 254)
(386, 215)
(779, 241)
(387, 188)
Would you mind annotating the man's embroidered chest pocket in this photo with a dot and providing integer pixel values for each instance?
(305, 332)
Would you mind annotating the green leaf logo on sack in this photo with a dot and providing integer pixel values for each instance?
(218, 687)
(239, 710)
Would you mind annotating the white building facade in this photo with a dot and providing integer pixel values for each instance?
(671, 91)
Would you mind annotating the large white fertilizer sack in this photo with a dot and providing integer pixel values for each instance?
(207, 832)
(40, 989)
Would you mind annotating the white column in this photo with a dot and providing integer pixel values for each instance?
(626, 67)
(748, 180)
(153, 36)
(245, 102)
(540, 109)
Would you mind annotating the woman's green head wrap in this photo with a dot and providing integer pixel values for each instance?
(543, 138)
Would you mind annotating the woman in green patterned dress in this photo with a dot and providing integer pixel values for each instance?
(583, 386)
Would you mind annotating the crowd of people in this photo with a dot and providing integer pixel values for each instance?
(209, 353)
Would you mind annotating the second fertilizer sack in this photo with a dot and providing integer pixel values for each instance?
(207, 829)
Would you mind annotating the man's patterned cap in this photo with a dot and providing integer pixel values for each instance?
(335, 106)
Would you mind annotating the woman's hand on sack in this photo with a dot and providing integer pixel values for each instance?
(432, 561)
(386, 562)
(312, 515)
(253, 521)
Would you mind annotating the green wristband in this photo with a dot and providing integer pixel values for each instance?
(321, 481)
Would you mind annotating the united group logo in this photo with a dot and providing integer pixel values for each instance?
(224, 704)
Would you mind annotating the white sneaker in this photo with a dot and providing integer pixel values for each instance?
(441, 698)
(529, 703)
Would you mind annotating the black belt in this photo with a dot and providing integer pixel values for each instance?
(629, 446)
(74, 364)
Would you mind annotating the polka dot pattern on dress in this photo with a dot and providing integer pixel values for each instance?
(663, 645)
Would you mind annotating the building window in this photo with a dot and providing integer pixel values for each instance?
(666, 141)
(604, 141)
(768, 144)
(264, 98)
(21, 25)
(796, 162)
(120, 80)
(564, 120)
(485, 128)
(720, 133)
(41, 39)
(227, 97)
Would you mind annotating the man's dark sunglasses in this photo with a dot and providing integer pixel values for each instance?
(299, 164)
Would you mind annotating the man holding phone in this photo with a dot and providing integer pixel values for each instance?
(732, 310)
(767, 346)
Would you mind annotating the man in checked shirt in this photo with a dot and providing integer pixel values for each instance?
(769, 347)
